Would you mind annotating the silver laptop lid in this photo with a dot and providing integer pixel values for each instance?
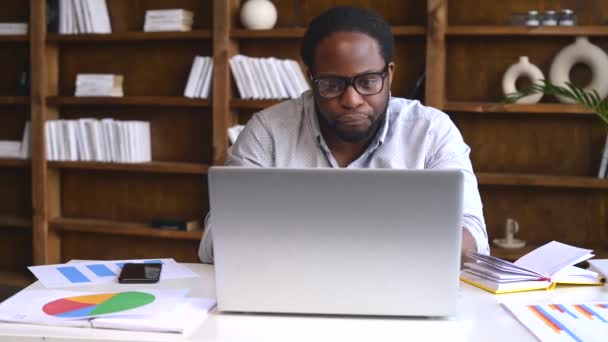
(336, 241)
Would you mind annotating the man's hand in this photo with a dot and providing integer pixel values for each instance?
(468, 243)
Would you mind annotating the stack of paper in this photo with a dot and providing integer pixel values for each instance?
(99, 85)
(168, 20)
(84, 16)
(600, 266)
(542, 268)
(13, 28)
(105, 140)
(17, 149)
(267, 78)
(199, 80)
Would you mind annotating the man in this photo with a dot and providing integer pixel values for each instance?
(350, 120)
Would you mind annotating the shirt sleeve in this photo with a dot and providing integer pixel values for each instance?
(253, 148)
(447, 150)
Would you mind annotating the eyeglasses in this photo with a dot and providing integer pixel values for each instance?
(365, 84)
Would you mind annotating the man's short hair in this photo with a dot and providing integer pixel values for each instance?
(347, 19)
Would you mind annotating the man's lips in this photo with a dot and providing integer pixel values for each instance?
(354, 119)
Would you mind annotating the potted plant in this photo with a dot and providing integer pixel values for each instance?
(589, 99)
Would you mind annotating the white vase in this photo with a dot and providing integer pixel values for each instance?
(583, 52)
(517, 70)
(258, 15)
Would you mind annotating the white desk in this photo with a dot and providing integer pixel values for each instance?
(480, 318)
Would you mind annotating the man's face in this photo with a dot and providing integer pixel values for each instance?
(351, 116)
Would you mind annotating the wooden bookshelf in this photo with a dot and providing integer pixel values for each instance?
(135, 36)
(525, 180)
(14, 163)
(19, 222)
(252, 104)
(165, 101)
(151, 167)
(16, 279)
(119, 228)
(14, 100)
(538, 108)
(491, 30)
(14, 38)
(293, 32)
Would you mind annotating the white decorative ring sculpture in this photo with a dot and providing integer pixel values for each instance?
(515, 71)
(583, 52)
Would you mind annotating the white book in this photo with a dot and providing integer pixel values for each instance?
(10, 149)
(297, 70)
(173, 12)
(206, 89)
(266, 73)
(81, 140)
(238, 78)
(77, 15)
(167, 28)
(100, 16)
(604, 161)
(263, 83)
(26, 146)
(88, 16)
(71, 19)
(276, 77)
(246, 64)
(201, 78)
(239, 61)
(290, 76)
(47, 140)
(287, 84)
(195, 71)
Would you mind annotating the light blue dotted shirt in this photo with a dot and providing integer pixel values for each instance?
(413, 136)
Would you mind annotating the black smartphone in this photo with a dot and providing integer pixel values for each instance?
(140, 273)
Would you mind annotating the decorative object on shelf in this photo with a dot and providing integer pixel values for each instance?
(567, 17)
(532, 19)
(258, 15)
(581, 52)
(509, 241)
(169, 20)
(549, 18)
(522, 68)
(99, 85)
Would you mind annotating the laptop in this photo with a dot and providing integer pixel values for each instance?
(336, 241)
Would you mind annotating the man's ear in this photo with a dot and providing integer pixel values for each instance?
(391, 71)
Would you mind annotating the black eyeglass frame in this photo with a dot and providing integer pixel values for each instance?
(350, 81)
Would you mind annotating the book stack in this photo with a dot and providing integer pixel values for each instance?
(13, 28)
(84, 16)
(603, 172)
(168, 20)
(17, 149)
(267, 78)
(99, 85)
(105, 140)
(199, 81)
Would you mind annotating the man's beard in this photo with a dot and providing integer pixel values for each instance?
(353, 137)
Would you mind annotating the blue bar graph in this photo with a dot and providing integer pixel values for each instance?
(101, 270)
(73, 274)
(153, 262)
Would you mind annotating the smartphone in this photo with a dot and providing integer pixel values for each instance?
(140, 273)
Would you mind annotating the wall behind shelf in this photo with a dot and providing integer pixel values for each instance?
(132, 197)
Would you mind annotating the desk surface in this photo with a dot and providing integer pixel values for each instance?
(479, 318)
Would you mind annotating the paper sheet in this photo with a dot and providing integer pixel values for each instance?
(101, 272)
(564, 322)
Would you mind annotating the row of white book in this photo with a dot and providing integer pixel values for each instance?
(267, 78)
(13, 28)
(199, 80)
(99, 85)
(17, 149)
(105, 140)
(84, 16)
(168, 20)
(603, 171)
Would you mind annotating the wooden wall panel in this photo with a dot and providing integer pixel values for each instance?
(130, 15)
(13, 121)
(177, 134)
(150, 68)
(15, 11)
(135, 197)
(544, 214)
(15, 249)
(484, 60)
(14, 55)
(16, 199)
(589, 12)
(520, 143)
(111, 247)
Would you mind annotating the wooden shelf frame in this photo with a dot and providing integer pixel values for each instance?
(16, 222)
(252, 104)
(150, 167)
(14, 100)
(14, 38)
(496, 107)
(119, 228)
(487, 30)
(15, 163)
(532, 180)
(298, 32)
(162, 101)
(133, 36)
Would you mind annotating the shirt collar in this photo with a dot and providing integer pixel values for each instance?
(308, 103)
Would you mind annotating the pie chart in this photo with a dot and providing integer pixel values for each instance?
(97, 304)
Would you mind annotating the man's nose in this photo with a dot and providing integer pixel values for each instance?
(351, 98)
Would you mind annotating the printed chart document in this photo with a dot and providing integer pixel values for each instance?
(542, 268)
(101, 272)
(138, 310)
(563, 322)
